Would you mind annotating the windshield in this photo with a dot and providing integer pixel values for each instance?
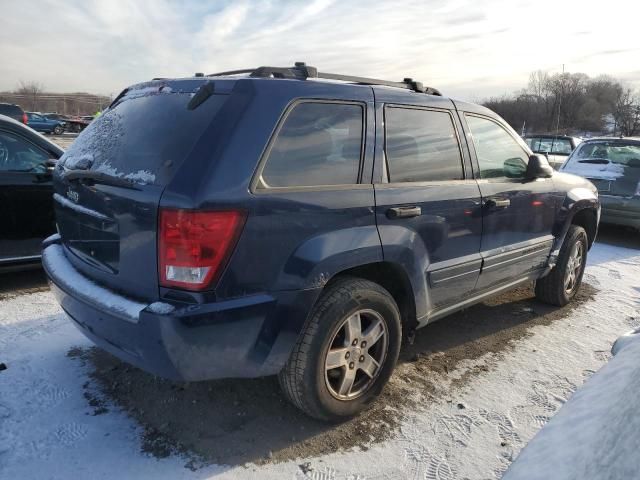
(554, 146)
(611, 152)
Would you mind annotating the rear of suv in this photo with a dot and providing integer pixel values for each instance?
(271, 222)
(13, 111)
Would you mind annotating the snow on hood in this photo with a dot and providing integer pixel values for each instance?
(601, 171)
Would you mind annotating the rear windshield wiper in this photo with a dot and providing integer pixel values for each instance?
(602, 161)
(98, 177)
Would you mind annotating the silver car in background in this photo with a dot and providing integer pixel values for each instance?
(613, 166)
(557, 148)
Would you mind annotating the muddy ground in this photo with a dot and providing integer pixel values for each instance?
(248, 421)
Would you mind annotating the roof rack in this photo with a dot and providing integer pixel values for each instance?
(301, 71)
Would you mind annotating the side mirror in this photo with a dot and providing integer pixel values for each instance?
(50, 164)
(538, 167)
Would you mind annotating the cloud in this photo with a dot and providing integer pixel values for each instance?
(101, 47)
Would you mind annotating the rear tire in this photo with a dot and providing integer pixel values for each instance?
(346, 352)
(58, 130)
(563, 282)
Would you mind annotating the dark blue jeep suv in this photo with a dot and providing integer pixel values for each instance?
(286, 221)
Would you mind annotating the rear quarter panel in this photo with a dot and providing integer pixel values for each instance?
(293, 239)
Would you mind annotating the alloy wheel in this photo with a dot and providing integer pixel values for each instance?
(356, 354)
(574, 267)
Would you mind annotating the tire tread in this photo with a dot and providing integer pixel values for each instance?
(292, 376)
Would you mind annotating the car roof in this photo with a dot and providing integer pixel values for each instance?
(613, 139)
(545, 135)
(8, 123)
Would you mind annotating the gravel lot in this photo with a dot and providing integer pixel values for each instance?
(465, 398)
(64, 140)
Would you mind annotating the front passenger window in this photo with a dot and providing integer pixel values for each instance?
(499, 155)
(18, 155)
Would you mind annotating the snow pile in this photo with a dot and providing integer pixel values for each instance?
(596, 435)
(625, 340)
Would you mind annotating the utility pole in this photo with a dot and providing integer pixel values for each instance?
(560, 101)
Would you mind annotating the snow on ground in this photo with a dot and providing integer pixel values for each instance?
(473, 425)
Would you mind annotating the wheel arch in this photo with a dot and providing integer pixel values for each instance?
(587, 218)
(392, 278)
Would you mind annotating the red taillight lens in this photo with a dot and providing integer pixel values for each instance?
(194, 246)
(25, 120)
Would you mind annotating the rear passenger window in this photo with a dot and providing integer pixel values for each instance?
(421, 146)
(318, 144)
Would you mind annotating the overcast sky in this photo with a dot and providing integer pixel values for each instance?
(468, 49)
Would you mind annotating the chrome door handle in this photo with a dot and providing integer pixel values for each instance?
(404, 212)
(496, 204)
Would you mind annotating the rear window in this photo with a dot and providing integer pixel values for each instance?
(553, 146)
(318, 144)
(421, 146)
(11, 111)
(144, 138)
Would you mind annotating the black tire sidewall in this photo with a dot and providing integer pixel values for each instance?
(576, 234)
(331, 318)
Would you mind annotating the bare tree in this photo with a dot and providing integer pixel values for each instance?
(627, 113)
(31, 90)
(569, 103)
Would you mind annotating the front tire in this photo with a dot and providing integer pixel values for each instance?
(58, 130)
(563, 282)
(346, 352)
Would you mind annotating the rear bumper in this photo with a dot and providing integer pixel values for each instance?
(620, 210)
(246, 337)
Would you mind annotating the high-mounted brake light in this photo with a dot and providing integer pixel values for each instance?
(194, 246)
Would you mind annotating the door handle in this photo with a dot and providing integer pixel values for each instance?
(404, 212)
(494, 204)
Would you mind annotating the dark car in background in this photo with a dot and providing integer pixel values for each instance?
(72, 123)
(26, 204)
(557, 148)
(279, 223)
(13, 111)
(613, 165)
(41, 123)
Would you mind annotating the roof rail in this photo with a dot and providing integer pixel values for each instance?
(301, 71)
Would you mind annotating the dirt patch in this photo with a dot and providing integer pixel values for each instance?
(14, 284)
(242, 421)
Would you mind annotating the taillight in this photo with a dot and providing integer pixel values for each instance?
(25, 120)
(194, 246)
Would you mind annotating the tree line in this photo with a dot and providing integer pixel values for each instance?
(32, 97)
(571, 103)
